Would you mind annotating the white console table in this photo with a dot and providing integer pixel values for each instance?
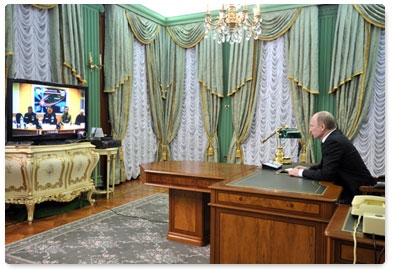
(34, 174)
(110, 154)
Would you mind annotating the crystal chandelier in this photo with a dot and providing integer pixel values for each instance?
(230, 24)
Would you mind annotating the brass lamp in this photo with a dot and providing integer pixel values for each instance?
(283, 132)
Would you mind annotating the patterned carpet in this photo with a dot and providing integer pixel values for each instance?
(134, 233)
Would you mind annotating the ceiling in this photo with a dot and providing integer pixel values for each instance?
(177, 8)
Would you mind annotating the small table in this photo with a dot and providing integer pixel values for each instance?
(341, 243)
(110, 154)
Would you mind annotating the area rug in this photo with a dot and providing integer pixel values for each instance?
(134, 233)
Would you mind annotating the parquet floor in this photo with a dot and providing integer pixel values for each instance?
(124, 193)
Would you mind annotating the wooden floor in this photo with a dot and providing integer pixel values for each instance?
(124, 193)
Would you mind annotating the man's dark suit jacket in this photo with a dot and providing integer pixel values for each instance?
(341, 163)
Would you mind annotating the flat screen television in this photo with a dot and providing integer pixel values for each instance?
(36, 112)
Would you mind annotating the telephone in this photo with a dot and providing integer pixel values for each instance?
(372, 209)
(368, 204)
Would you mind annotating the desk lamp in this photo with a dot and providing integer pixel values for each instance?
(283, 132)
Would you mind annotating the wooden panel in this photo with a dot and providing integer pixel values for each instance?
(259, 225)
(189, 218)
(298, 239)
(185, 211)
(364, 254)
(271, 203)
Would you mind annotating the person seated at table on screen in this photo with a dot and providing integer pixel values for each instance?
(49, 117)
(341, 162)
(30, 118)
(80, 117)
(66, 117)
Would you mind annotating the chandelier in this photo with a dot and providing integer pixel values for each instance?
(230, 24)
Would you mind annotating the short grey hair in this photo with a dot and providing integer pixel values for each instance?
(326, 118)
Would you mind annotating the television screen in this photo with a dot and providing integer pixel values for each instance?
(44, 112)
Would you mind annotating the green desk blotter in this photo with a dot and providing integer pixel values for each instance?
(267, 179)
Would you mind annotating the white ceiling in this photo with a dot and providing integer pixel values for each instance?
(176, 8)
(167, 9)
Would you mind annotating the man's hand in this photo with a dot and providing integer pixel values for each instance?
(297, 171)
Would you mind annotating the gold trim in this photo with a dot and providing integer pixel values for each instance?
(298, 83)
(205, 85)
(9, 53)
(344, 82)
(239, 87)
(74, 72)
(118, 85)
(44, 6)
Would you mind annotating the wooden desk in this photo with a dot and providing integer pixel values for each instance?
(188, 182)
(110, 154)
(270, 218)
(341, 243)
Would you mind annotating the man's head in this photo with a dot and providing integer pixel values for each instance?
(49, 110)
(321, 124)
(66, 109)
(30, 109)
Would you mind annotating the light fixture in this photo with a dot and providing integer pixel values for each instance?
(92, 65)
(283, 132)
(231, 24)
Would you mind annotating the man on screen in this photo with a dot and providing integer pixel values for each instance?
(80, 117)
(30, 117)
(50, 117)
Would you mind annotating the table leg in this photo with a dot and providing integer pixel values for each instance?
(108, 174)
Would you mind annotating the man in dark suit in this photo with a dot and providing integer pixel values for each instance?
(30, 117)
(50, 117)
(341, 162)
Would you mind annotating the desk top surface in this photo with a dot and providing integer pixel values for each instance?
(198, 169)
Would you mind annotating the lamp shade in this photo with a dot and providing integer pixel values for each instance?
(289, 133)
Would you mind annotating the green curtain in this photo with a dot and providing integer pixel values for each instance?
(72, 39)
(56, 46)
(165, 73)
(302, 60)
(303, 72)
(186, 36)
(118, 60)
(242, 83)
(210, 75)
(354, 63)
(144, 30)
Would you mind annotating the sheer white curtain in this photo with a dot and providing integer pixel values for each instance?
(140, 143)
(32, 59)
(274, 108)
(370, 141)
(191, 139)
